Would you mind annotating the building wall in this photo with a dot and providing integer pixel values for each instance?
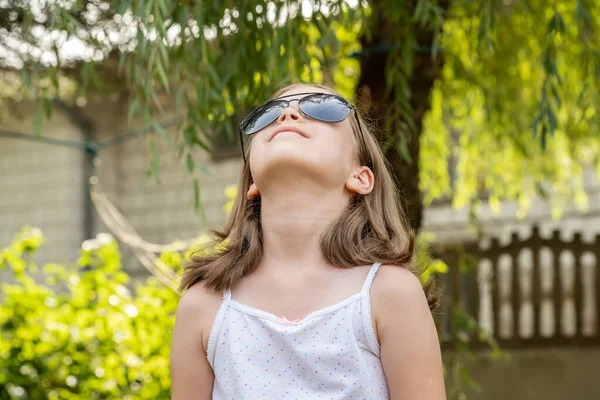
(41, 185)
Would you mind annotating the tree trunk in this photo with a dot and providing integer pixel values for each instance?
(371, 95)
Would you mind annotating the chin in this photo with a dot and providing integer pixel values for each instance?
(297, 169)
(288, 161)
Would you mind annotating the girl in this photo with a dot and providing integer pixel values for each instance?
(311, 293)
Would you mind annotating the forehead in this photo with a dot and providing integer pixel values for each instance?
(303, 89)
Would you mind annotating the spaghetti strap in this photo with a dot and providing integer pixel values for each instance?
(369, 280)
(366, 311)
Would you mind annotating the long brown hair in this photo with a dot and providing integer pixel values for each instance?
(372, 228)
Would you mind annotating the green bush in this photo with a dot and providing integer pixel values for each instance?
(82, 334)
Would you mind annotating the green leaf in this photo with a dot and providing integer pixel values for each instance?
(149, 4)
(182, 15)
(213, 74)
(47, 107)
(196, 194)
(122, 7)
(205, 169)
(543, 137)
(403, 151)
(556, 95)
(190, 163)
(536, 121)
(163, 7)
(188, 135)
(134, 106)
(164, 54)
(142, 43)
(199, 13)
(122, 59)
(552, 120)
(157, 102)
(581, 96)
(162, 75)
(154, 165)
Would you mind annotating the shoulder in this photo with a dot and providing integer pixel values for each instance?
(198, 308)
(199, 296)
(397, 296)
(396, 283)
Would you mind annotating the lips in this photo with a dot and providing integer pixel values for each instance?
(287, 129)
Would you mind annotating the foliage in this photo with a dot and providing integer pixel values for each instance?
(425, 262)
(82, 334)
(515, 108)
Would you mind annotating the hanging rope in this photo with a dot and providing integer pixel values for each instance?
(144, 251)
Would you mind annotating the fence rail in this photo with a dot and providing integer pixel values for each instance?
(540, 291)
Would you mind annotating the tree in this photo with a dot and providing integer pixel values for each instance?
(499, 98)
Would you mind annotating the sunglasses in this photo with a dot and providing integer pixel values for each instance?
(319, 106)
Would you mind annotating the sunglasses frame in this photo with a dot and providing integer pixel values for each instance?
(305, 95)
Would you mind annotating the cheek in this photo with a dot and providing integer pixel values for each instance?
(341, 144)
(335, 153)
(333, 149)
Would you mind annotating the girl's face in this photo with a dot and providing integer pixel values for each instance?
(325, 151)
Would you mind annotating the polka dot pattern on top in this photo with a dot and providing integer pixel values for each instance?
(330, 354)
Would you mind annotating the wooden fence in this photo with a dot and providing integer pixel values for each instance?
(541, 291)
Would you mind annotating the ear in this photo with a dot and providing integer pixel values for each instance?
(361, 181)
(253, 192)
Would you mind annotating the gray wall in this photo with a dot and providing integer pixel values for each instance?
(41, 185)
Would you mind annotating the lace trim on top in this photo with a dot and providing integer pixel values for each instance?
(272, 317)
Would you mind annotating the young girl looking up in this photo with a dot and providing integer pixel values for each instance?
(311, 292)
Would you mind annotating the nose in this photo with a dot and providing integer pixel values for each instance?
(290, 113)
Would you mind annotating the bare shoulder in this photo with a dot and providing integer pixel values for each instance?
(198, 308)
(199, 296)
(396, 283)
(397, 294)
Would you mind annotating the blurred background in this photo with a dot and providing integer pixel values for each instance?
(119, 150)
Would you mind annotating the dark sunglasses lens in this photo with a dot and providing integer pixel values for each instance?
(325, 108)
(263, 116)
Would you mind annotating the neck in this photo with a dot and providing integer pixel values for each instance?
(292, 222)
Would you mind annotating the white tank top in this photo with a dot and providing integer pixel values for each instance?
(332, 353)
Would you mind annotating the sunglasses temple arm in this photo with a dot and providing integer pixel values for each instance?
(242, 144)
(362, 135)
